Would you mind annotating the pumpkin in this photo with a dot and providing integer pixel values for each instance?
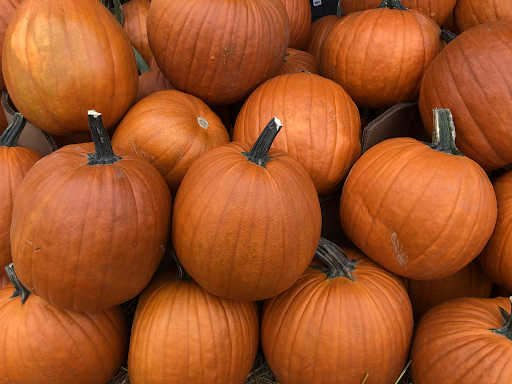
(56, 72)
(421, 211)
(465, 340)
(218, 50)
(322, 125)
(89, 226)
(438, 10)
(299, 61)
(171, 130)
(470, 281)
(339, 323)
(500, 291)
(468, 13)
(43, 344)
(481, 106)
(3, 122)
(151, 82)
(135, 15)
(299, 15)
(319, 30)
(384, 69)
(246, 222)
(7, 9)
(182, 333)
(15, 162)
(4, 280)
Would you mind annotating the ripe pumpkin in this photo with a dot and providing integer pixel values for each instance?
(246, 222)
(299, 15)
(468, 13)
(421, 211)
(15, 162)
(135, 15)
(56, 72)
(319, 31)
(151, 82)
(384, 69)
(299, 61)
(466, 340)
(89, 227)
(480, 105)
(218, 50)
(322, 125)
(43, 344)
(7, 9)
(205, 339)
(338, 323)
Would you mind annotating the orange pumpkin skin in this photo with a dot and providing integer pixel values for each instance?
(471, 92)
(319, 31)
(171, 130)
(7, 9)
(151, 82)
(97, 70)
(299, 15)
(135, 15)
(217, 50)
(205, 339)
(470, 281)
(73, 347)
(385, 70)
(468, 13)
(329, 331)
(4, 280)
(296, 61)
(454, 344)
(321, 123)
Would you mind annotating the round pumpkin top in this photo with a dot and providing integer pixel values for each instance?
(7, 9)
(299, 61)
(469, 13)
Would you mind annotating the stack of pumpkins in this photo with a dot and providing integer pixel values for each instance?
(171, 83)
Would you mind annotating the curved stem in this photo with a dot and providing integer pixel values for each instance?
(443, 137)
(183, 275)
(104, 153)
(506, 330)
(447, 36)
(12, 133)
(20, 289)
(338, 264)
(392, 4)
(259, 151)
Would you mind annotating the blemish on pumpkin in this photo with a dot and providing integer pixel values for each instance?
(30, 242)
(37, 249)
(203, 123)
(398, 248)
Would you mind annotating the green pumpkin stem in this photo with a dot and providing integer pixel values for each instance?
(443, 137)
(337, 262)
(182, 274)
(104, 153)
(506, 329)
(447, 36)
(12, 133)
(259, 151)
(392, 4)
(20, 289)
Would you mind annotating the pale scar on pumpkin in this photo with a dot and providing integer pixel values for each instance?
(398, 248)
(203, 123)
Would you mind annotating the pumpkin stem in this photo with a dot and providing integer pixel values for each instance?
(12, 133)
(392, 4)
(104, 153)
(259, 151)
(447, 36)
(506, 330)
(20, 289)
(443, 137)
(337, 262)
(183, 275)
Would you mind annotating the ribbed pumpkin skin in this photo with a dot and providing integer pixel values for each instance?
(333, 332)
(15, 162)
(42, 344)
(218, 50)
(321, 125)
(135, 15)
(89, 237)
(481, 106)
(470, 281)
(420, 213)
(165, 129)
(469, 13)
(243, 231)
(319, 31)
(7, 9)
(151, 82)
(379, 56)
(453, 344)
(296, 61)
(78, 58)
(299, 15)
(183, 334)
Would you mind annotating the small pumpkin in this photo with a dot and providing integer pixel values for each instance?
(7, 9)
(151, 82)
(469, 13)
(299, 15)
(319, 31)
(135, 15)
(299, 61)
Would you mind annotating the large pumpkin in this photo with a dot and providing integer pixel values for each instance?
(339, 323)
(477, 93)
(299, 15)
(135, 15)
(43, 344)
(76, 58)
(246, 222)
(469, 13)
(466, 340)
(319, 31)
(7, 9)
(421, 211)
(218, 50)
(171, 130)
(322, 127)
(89, 227)
(385, 68)
(299, 61)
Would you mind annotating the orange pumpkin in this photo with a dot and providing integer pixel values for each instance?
(299, 61)
(7, 9)
(4, 280)
(469, 13)
(299, 15)
(135, 15)
(151, 82)
(319, 31)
